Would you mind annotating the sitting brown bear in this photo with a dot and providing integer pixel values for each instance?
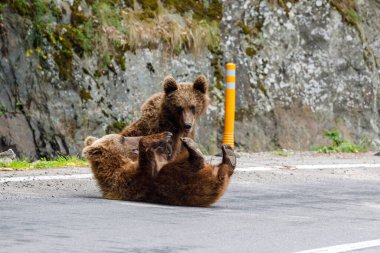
(176, 109)
(147, 176)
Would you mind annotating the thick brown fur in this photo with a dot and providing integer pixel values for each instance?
(151, 178)
(120, 171)
(193, 182)
(176, 110)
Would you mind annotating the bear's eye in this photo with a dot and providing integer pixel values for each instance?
(193, 110)
(122, 140)
(179, 109)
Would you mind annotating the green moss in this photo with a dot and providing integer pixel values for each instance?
(244, 112)
(129, 3)
(148, 4)
(275, 141)
(348, 10)
(97, 74)
(369, 58)
(63, 55)
(353, 17)
(105, 114)
(86, 71)
(81, 41)
(85, 34)
(3, 6)
(108, 14)
(78, 18)
(251, 33)
(208, 9)
(250, 51)
(283, 3)
(19, 106)
(216, 64)
(249, 30)
(116, 127)
(120, 60)
(39, 10)
(55, 11)
(3, 110)
(119, 57)
(64, 63)
(262, 88)
(85, 95)
(106, 60)
(22, 7)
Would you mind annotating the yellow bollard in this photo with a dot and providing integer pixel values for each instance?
(229, 116)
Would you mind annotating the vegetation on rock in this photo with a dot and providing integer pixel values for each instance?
(111, 27)
(339, 144)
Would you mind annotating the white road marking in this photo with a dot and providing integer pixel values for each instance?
(345, 247)
(44, 178)
(372, 205)
(310, 167)
(338, 166)
(255, 168)
(242, 169)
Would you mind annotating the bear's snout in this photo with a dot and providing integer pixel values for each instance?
(187, 126)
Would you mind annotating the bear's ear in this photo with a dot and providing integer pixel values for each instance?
(170, 85)
(92, 152)
(201, 84)
(89, 140)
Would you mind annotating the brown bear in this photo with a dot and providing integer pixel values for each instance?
(121, 171)
(176, 110)
(124, 174)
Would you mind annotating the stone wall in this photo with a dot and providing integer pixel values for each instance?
(300, 70)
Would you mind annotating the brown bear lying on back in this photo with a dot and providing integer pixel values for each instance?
(123, 174)
(176, 110)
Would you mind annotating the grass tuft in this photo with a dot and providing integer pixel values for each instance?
(339, 144)
(60, 162)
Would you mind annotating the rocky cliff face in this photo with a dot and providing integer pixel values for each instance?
(302, 69)
(303, 66)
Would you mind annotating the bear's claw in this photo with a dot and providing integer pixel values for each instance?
(229, 155)
(192, 146)
(168, 136)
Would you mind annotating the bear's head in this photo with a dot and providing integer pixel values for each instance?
(110, 147)
(185, 102)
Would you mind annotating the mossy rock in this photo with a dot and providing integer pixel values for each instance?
(244, 112)
(78, 18)
(85, 94)
(116, 127)
(64, 62)
(250, 51)
(22, 7)
(148, 4)
(213, 10)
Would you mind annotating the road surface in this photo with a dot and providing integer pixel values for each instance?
(273, 204)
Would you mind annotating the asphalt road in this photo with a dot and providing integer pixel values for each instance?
(280, 210)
